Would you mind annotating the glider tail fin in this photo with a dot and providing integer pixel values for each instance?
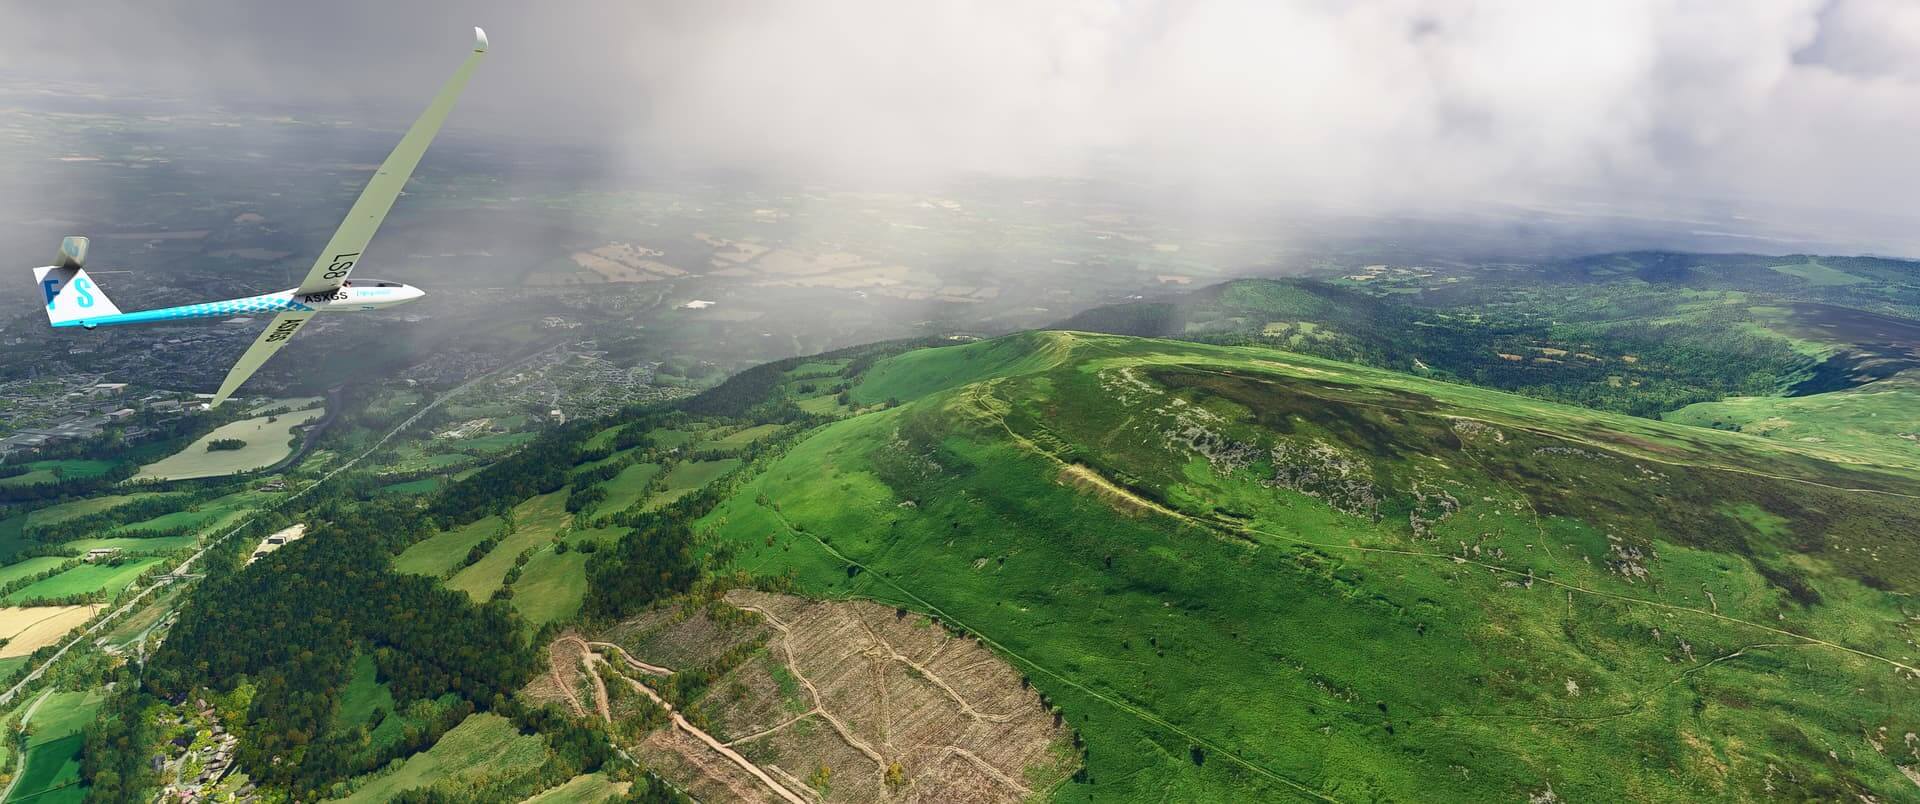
(72, 296)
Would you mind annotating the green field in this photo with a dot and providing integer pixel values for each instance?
(628, 487)
(592, 465)
(135, 544)
(194, 520)
(740, 438)
(536, 521)
(591, 788)
(423, 485)
(267, 443)
(1819, 275)
(21, 569)
(689, 476)
(823, 404)
(551, 586)
(1250, 575)
(483, 746)
(1877, 423)
(84, 579)
(669, 438)
(495, 443)
(55, 470)
(92, 505)
(129, 628)
(603, 438)
(363, 695)
(445, 550)
(52, 770)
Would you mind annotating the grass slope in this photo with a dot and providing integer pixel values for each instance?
(482, 746)
(52, 771)
(105, 579)
(687, 477)
(551, 586)
(1880, 419)
(62, 512)
(1245, 574)
(536, 521)
(445, 550)
(628, 487)
(590, 788)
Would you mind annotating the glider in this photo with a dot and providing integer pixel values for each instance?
(74, 300)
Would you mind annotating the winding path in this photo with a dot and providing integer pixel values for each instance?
(22, 759)
(695, 732)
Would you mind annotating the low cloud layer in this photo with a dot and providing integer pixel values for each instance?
(1387, 105)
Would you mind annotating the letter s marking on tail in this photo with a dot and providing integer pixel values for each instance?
(81, 285)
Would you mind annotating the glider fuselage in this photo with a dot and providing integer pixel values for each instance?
(356, 295)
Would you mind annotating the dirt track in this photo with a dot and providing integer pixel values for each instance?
(848, 696)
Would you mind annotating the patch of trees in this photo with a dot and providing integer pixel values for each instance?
(291, 625)
(540, 468)
(95, 523)
(69, 487)
(652, 561)
(225, 445)
(752, 393)
(585, 499)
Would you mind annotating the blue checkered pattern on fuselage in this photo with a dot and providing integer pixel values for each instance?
(270, 303)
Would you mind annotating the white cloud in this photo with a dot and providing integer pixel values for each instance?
(1395, 103)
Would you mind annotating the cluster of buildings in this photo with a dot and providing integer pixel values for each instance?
(580, 381)
(204, 760)
(53, 411)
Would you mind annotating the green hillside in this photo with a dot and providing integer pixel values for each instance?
(1241, 573)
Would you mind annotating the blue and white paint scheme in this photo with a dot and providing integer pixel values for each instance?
(74, 300)
(88, 307)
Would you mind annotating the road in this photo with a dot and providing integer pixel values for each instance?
(22, 759)
(182, 570)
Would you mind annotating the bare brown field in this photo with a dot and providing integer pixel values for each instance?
(679, 637)
(31, 628)
(869, 276)
(731, 251)
(625, 262)
(907, 710)
(817, 701)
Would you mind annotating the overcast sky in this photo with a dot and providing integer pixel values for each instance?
(1389, 104)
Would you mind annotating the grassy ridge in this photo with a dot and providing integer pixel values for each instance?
(1164, 536)
(1880, 420)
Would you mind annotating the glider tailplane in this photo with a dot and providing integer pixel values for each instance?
(72, 297)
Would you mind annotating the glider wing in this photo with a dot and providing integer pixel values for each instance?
(330, 271)
(270, 341)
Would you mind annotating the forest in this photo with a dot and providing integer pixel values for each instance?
(286, 631)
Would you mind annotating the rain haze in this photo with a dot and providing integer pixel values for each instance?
(1793, 114)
